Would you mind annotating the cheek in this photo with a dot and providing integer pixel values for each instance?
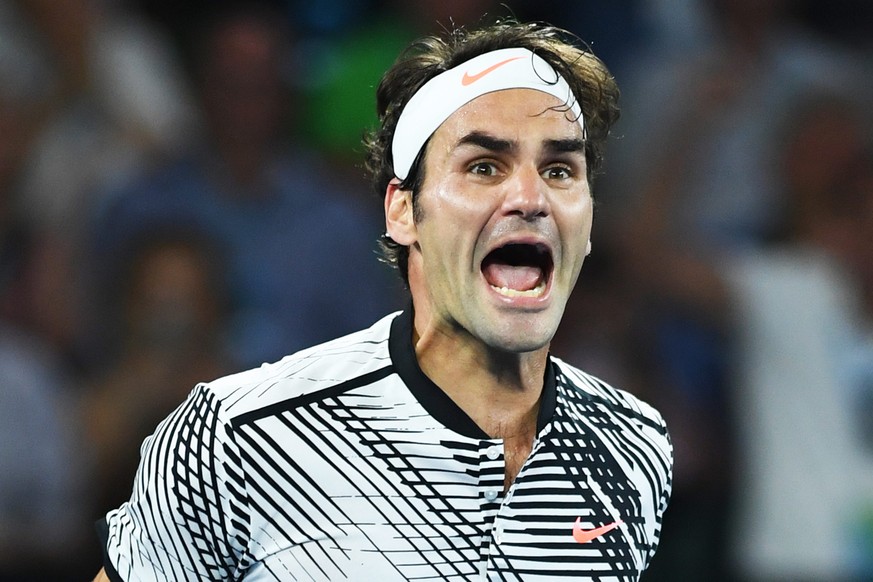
(575, 228)
(455, 198)
(458, 213)
(576, 219)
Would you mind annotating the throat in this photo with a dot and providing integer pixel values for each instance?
(518, 432)
(516, 451)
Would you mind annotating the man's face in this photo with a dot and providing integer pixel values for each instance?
(504, 217)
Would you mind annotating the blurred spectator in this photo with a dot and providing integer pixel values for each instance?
(43, 512)
(173, 305)
(296, 244)
(691, 183)
(115, 99)
(616, 31)
(344, 63)
(804, 382)
(717, 105)
(42, 464)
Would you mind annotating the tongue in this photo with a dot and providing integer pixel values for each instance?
(520, 278)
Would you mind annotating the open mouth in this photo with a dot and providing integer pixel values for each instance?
(518, 269)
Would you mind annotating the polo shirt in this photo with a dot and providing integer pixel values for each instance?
(344, 461)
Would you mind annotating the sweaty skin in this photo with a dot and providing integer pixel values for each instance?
(508, 168)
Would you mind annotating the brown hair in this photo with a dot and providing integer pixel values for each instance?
(591, 83)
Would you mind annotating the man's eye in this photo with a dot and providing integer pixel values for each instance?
(557, 173)
(483, 169)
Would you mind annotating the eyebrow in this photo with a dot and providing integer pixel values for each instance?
(486, 141)
(569, 145)
(496, 144)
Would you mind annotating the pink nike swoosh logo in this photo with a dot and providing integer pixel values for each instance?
(469, 79)
(583, 536)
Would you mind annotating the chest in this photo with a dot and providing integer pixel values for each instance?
(398, 505)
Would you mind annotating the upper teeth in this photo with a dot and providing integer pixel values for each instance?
(535, 292)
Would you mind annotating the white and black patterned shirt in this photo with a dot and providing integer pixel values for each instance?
(344, 461)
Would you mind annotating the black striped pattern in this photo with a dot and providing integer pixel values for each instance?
(324, 466)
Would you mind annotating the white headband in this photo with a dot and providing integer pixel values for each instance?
(512, 68)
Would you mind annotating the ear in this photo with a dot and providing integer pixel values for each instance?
(399, 223)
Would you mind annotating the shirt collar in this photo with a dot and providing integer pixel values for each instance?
(434, 399)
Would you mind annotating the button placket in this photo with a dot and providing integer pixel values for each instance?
(498, 531)
(492, 469)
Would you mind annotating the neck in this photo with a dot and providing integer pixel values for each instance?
(500, 391)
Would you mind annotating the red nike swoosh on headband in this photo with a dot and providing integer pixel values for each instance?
(583, 536)
(469, 79)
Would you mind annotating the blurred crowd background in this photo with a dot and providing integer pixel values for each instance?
(181, 196)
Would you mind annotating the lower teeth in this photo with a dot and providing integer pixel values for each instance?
(507, 292)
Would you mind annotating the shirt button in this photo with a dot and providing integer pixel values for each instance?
(492, 453)
(498, 534)
(491, 494)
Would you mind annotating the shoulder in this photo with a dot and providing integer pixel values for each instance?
(349, 358)
(632, 430)
(583, 389)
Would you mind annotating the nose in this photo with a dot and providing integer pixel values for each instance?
(526, 194)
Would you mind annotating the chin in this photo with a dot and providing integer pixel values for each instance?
(520, 338)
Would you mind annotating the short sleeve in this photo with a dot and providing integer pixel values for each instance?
(663, 462)
(188, 517)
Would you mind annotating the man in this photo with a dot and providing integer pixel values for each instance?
(443, 442)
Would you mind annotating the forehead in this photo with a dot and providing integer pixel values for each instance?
(513, 113)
